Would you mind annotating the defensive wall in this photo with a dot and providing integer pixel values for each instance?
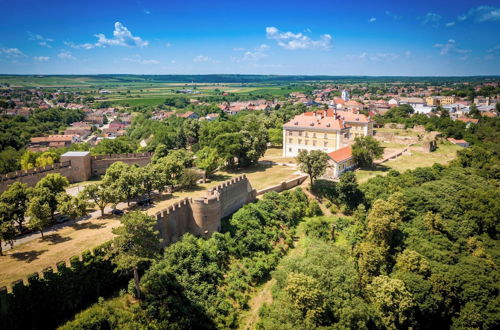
(77, 166)
(202, 216)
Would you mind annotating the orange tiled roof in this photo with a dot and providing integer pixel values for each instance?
(317, 120)
(341, 154)
(52, 138)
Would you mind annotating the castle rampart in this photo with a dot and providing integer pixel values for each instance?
(77, 166)
(202, 216)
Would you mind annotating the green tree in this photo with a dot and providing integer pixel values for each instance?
(7, 229)
(276, 136)
(137, 241)
(208, 160)
(100, 194)
(348, 191)
(49, 187)
(366, 149)
(384, 219)
(124, 181)
(474, 112)
(392, 301)
(314, 163)
(73, 206)
(149, 178)
(306, 294)
(40, 213)
(16, 197)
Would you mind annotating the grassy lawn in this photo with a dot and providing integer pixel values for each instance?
(445, 153)
(36, 255)
(275, 154)
(69, 241)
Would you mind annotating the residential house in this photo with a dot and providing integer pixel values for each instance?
(341, 160)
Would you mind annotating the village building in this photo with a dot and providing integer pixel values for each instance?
(43, 143)
(341, 160)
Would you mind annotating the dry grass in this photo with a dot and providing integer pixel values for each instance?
(275, 154)
(69, 241)
(38, 254)
(445, 153)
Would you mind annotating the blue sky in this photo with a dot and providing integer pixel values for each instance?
(254, 37)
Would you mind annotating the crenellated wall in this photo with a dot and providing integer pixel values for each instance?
(100, 163)
(202, 216)
(76, 168)
(33, 175)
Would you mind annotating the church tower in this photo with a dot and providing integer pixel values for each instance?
(345, 95)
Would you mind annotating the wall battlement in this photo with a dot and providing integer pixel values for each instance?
(76, 166)
(202, 216)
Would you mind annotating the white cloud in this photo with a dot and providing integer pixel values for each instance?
(451, 47)
(432, 18)
(138, 59)
(377, 56)
(11, 52)
(293, 41)
(463, 58)
(494, 49)
(238, 49)
(65, 55)
(147, 11)
(393, 16)
(173, 61)
(450, 24)
(168, 44)
(42, 41)
(482, 14)
(41, 58)
(372, 20)
(121, 37)
(204, 59)
(86, 46)
(254, 55)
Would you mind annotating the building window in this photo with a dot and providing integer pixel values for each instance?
(307, 134)
(325, 143)
(306, 142)
(314, 143)
(300, 133)
(300, 141)
(290, 149)
(314, 135)
(290, 133)
(326, 136)
(290, 140)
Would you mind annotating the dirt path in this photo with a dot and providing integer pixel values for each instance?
(263, 296)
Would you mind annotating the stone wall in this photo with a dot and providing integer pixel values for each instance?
(285, 185)
(33, 175)
(101, 163)
(202, 216)
(74, 168)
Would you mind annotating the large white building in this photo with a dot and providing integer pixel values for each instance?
(326, 130)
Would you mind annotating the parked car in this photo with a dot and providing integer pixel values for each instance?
(145, 202)
(117, 212)
(62, 218)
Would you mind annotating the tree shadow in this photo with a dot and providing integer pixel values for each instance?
(219, 177)
(377, 168)
(28, 256)
(55, 239)
(88, 225)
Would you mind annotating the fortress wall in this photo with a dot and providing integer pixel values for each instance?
(233, 194)
(101, 163)
(206, 216)
(285, 185)
(32, 176)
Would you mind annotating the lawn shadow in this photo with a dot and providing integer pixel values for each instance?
(377, 168)
(55, 239)
(28, 256)
(219, 177)
(88, 225)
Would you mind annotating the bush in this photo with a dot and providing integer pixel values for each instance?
(319, 228)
